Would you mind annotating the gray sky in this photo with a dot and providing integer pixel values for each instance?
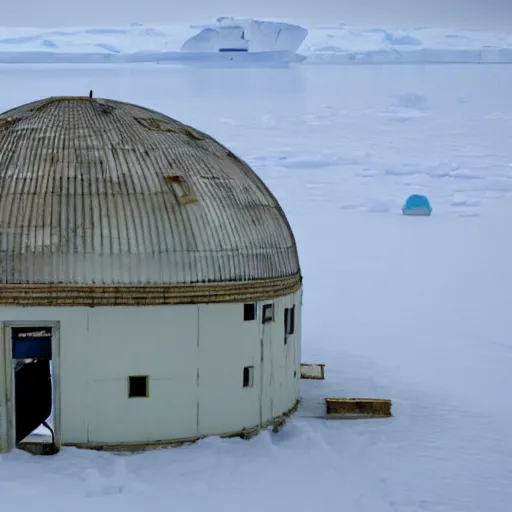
(458, 13)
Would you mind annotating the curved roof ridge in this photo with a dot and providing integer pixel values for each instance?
(104, 192)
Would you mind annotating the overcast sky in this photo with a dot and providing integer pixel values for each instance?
(458, 13)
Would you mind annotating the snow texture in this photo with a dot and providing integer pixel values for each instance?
(411, 309)
(257, 41)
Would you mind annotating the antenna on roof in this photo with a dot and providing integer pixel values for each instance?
(90, 94)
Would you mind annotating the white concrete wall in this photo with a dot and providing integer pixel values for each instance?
(194, 357)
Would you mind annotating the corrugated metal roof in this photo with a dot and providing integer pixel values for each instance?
(104, 192)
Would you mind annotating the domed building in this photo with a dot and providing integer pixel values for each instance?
(150, 287)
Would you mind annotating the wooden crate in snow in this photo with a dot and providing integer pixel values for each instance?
(358, 407)
(312, 371)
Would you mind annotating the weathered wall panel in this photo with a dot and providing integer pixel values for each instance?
(100, 347)
(160, 343)
(226, 345)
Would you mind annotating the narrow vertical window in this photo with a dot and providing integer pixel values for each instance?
(249, 312)
(289, 322)
(248, 377)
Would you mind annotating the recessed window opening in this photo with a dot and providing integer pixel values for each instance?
(248, 377)
(268, 313)
(249, 312)
(34, 409)
(138, 386)
(289, 322)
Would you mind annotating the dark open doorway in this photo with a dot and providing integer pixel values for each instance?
(33, 393)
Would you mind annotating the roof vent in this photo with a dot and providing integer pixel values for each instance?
(181, 189)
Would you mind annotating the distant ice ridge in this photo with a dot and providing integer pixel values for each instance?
(342, 44)
(234, 40)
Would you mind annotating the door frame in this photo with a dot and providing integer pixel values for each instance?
(5, 389)
(9, 375)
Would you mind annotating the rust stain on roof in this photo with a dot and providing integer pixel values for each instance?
(7, 122)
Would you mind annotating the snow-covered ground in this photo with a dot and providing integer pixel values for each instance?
(337, 43)
(413, 309)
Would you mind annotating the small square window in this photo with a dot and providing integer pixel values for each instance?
(138, 386)
(248, 378)
(268, 313)
(249, 312)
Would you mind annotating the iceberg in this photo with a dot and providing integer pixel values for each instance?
(246, 35)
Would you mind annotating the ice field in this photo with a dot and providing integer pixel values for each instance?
(413, 309)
